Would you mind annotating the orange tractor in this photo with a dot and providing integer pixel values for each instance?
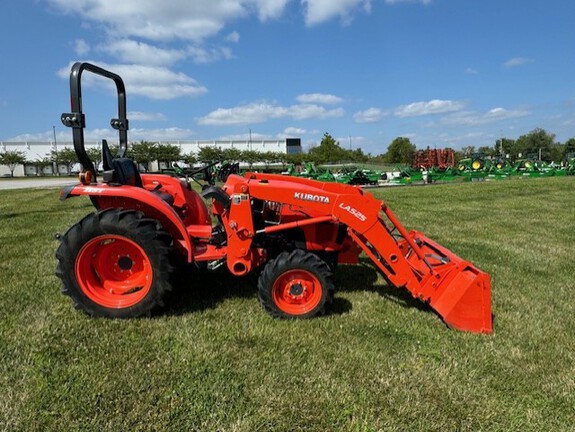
(118, 261)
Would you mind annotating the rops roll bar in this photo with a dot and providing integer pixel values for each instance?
(77, 121)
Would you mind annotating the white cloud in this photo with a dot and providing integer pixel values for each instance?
(95, 135)
(233, 37)
(294, 131)
(254, 136)
(130, 51)
(259, 112)
(191, 21)
(471, 71)
(319, 98)
(163, 134)
(435, 106)
(517, 61)
(268, 9)
(174, 19)
(154, 82)
(318, 11)
(203, 55)
(46, 136)
(459, 141)
(81, 47)
(370, 115)
(303, 112)
(134, 134)
(470, 118)
(200, 19)
(142, 116)
(246, 114)
(425, 2)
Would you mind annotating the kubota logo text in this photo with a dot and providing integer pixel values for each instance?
(311, 197)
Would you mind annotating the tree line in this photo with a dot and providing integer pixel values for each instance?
(538, 143)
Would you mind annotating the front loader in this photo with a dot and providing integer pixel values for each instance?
(118, 261)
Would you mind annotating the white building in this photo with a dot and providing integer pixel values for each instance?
(38, 150)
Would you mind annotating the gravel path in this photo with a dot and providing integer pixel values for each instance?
(36, 183)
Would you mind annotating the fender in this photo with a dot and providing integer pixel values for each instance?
(105, 196)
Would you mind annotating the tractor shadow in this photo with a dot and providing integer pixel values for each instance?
(364, 277)
(197, 290)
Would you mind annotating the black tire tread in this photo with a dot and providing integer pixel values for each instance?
(297, 258)
(132, 224)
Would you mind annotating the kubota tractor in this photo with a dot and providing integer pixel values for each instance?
(118, 261)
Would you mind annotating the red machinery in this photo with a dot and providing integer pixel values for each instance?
(433, 158)
(117, 262)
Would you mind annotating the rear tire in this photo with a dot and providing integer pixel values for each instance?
(296, 284)
(116, 264)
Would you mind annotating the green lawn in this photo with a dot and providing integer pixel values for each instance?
(378, 361)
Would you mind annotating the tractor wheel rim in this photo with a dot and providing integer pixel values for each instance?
(114, 271)
(297, 292)
(476, 165)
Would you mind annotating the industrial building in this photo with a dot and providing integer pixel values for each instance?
(38, 150)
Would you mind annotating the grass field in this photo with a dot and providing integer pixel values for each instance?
(214, 361)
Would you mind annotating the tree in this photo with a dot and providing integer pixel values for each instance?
(401, 150)
(295, 158)
(357, 155)
(210, 154)
(281, 158)
(143, 153)
(11, 159)
(41, 163)
(232, 154)
(328, 150)
(568, 148)
(190, 158)
(528, 145)
(250, 157)
(537, 142)
(504, 147)
(269, 157)
(379, 159)
(468, 151)
(95, 155)
(168, 153)
(65, 156)
(487, 151)
(557, 151)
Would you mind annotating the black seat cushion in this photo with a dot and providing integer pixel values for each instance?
(126, 172)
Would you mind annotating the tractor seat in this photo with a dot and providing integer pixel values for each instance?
(124, 171)
(120, 170)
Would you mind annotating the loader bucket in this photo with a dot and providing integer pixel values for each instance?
(458, 291)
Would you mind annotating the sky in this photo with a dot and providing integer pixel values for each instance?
(444, 73)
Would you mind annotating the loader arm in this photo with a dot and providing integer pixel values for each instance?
(459, 292)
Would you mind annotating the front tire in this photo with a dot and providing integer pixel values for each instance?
(296, 284)
(116, 264)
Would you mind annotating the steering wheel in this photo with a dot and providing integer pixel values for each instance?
(208, 176)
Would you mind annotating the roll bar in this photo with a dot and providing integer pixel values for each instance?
(77, 121)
